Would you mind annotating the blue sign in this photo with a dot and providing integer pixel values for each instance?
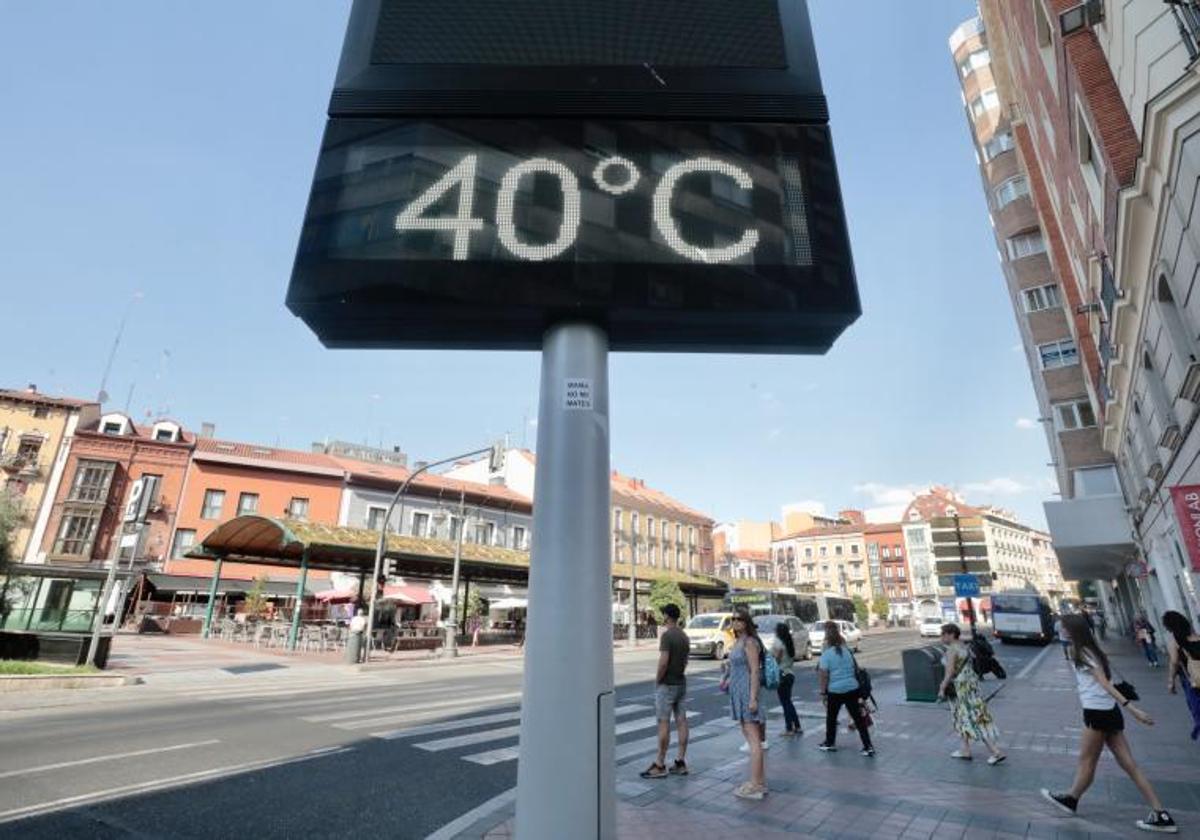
(966, 586)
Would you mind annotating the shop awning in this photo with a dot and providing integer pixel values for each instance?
(408, 594)
(189, 584)
(509, 604)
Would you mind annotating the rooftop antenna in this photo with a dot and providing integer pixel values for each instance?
(102, 397)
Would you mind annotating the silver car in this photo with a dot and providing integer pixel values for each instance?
(766, 631)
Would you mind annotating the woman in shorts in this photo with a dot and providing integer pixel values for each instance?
(1104, 726)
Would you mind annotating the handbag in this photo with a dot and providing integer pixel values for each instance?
(863, 678)
(769, 672)
(1125, 688)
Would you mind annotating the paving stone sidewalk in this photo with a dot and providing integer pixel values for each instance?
(913, 789)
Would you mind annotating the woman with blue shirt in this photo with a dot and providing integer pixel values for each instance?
(839, 687)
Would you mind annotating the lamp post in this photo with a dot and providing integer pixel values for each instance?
(495, 462)
(450, 645)
(633, 553)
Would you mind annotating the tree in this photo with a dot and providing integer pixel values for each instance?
(10, 519)
(881, 606)
(256, 600)
(860, 609)
(663, 592)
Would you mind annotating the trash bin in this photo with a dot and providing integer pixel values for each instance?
(354, 647)
(923, 673)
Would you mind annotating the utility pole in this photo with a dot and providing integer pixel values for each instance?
(962, 559)
(450, 646)
(633, 592)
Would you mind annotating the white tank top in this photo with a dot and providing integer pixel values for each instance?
(1091, 694)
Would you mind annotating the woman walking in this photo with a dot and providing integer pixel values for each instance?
(972, 718)
(1143, 633)
(839, 687)
(743, 684)
(1183, 645)
(784, 651)
(1104, 726)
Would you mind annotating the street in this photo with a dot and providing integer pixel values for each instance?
(403, 751)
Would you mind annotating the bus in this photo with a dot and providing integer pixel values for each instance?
(808, 607)
(1022, 616)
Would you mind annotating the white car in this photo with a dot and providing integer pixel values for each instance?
(930, 627)
(850, 632)
(766, 625)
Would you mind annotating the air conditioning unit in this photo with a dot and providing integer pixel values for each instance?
(1083, 16)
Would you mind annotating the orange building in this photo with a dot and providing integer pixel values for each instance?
(889, 566)
(107, 457)
(227, 479)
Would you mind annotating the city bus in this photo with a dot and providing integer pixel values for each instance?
(808, 607)
(1022, 616)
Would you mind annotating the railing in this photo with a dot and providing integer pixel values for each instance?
(1187, 19)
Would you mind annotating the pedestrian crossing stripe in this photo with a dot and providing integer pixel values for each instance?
(388, 713)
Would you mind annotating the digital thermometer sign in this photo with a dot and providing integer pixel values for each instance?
(479, 233)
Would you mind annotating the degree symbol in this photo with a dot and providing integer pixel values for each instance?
(616, 189)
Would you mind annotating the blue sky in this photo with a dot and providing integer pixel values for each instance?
(157, 156)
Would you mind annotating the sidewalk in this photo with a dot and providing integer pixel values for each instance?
(913, 789)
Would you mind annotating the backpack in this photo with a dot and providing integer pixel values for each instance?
(768, 674)
(983, 659)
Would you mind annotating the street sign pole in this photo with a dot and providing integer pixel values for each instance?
(567, 698)
(962, 558)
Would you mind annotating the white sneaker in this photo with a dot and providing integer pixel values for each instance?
(765, 746)
(745, 748)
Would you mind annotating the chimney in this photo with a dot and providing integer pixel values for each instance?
(31, 388)
(207, 430)
(854, 517)
(396, 449)
(318, 447)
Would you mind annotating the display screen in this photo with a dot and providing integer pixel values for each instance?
(539, 218)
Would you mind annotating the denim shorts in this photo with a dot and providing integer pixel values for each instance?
(668, 699)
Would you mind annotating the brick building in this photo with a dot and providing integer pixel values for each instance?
(888, 563)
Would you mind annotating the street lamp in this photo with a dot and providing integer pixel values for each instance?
(495, 454)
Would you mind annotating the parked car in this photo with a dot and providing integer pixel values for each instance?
(850, 632)
(930, 627)
(766, 631)
(710, 634)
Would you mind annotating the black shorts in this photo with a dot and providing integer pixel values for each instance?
(1104, 720)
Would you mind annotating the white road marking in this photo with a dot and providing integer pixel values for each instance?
(161, 784)
(1033, 662)
(502, 754)
(25, 771)
(387, 710)
(422, 713)
(373, 694)
(512, 731)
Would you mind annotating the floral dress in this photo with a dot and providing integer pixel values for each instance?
(972, 717)
(739, 687)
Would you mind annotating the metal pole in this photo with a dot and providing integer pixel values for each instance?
(294, 633)
(106, 592)
(962, 559)
(212, 596)
(450, 646)
(398, 498)
(633, 593)
(570, 578)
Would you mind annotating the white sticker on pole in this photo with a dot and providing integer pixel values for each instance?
(577, 395)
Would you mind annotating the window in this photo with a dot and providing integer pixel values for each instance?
(185, 538)
(420, 524)
(1076, 414)
(518, 541)
(1058, 354)
(691, 536)
(214, 500)
(76, 532)
(112, 427)
(1010, 190)
(986, 101)
(998, 145)
(41, 411)
(1097, 481)
(679, 533)
(455, 527)
(666, 532)
(873, 551)
(854, 549)
(617, 524)
(484, 532)
(298, 508)
(977, 59)
(166, 432)
(650, 532)
(247, 503)
(375, 519)
(1041, 297)
(808, 553)
(837, 550)
(1045, 39)
(887, 553)
(1025, 245)
(92, 479)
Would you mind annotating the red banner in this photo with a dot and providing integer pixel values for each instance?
(1187, 511)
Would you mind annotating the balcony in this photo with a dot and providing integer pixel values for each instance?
(1092, 536)
(20, 465)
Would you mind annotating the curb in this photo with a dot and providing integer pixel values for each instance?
(14, 683)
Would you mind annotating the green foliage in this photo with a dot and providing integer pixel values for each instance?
(860, 609)
(474, 607)
(12, 667)
(256, 600)
(10, 519)
(663, 592)
(880, 606)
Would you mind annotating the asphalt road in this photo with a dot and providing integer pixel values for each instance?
(395, 753)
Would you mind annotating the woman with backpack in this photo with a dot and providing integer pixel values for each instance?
(784, 651)
(838, 678)
(1104, 726)
(1183, 646)
(743, 682)
(972, 718)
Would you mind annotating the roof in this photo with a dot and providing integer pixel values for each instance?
(936, 502)
(199, 583)
(634, 489)
(266, 457)
(393, 476)
(827, 531)
(750, 554)
(38, 398)
(884, 528)
(144, 432)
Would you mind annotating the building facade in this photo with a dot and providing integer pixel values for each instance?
(35, 434)
(827, 559)
(111, 458)
(887, 559)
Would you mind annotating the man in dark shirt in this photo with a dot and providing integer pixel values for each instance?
(670, 689)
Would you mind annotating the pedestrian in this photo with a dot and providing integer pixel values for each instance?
(1183, 645)
(670, 691)
(972, 718)
(784, 651)
(358, 628)
(840, 687)
(1102, 624)
(1144, 633)
(743, 682)
(1104, 726)
(1061, 635)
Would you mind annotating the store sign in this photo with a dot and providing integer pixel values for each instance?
(665, 171)
(1187, 511)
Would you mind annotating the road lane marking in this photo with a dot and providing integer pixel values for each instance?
(415, 713)
(372, 694)
(510, 753)
(112, 757)
(472, 738)
(14, 814)
(386, 710)
(1033, 662)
